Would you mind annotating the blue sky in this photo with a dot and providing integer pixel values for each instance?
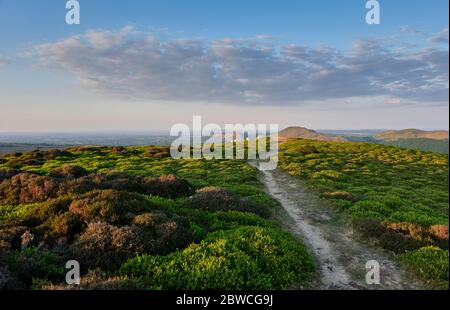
(332, 22)
(311, 63)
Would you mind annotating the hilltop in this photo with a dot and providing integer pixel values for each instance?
(431, 141)
(305, 133)
(393, 135)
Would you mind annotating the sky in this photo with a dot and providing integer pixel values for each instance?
(149, 64)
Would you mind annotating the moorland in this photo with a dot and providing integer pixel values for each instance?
(396, 197)
(137, 219)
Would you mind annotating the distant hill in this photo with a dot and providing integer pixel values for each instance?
(25, 147)
(394, 135)
(429, 145)
(305, 133)
(430, 141)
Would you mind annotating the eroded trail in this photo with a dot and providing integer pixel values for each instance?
(341, 259)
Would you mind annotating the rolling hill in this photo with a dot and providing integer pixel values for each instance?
(429, 145)
(431, 141)
(394, 135)
(305, 133)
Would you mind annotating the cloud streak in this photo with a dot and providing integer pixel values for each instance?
(246, 71)
(4, 61)
(440, 37)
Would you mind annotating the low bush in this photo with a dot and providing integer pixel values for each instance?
(105, 205)
(7, 282)
(157, 152)
(338, 195)
(67, 225)
(36, 214)
(87, 148)
(218, 199)
(208, 221)
(243, 258)
(10, 238)
(439, 232)
(69, 172)
(118, 150)
(431, 264)
(7, 173)
(35, 157)
(97, 280)
(167, 186)
(397, 237)
(109, 205)
(163, 232)
(385, 185)
(106, 246)
(29, 263)
(27, 187)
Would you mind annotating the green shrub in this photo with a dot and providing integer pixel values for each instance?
(28, 188)
(10, 238)
(397, 237)
(109, 205)
(69, 172)
(167, 186)
(163, 233)
(376, 185)
(32, 263)
(157, 152)
(243, 258)
(220, 220)
(375, 209)
(88, 204)
(106, 246)
(67, 225)
(219, 199)
(430, 263)
(44, 211)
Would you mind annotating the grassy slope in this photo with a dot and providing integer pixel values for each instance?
(423, 144)
(228, 246)
(397, 196)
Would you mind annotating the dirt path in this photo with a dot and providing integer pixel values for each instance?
(341, 259)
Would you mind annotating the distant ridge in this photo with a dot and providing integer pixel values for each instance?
(394, 135)
(305, 133)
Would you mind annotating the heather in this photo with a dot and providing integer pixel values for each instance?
(135, 218)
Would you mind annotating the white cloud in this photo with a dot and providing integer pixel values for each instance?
(413, 32)
(440, 37)
(240, 71)
(264, 37)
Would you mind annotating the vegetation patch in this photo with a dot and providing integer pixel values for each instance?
(430, 263)
(108, 207)
(243, 258)
(398, 197)
(219, 199)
